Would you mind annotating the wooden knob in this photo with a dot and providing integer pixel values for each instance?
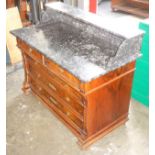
(30, 50)
(68, 113)
(38, 76)
(61, 70)
(67, 99)
(40, 88)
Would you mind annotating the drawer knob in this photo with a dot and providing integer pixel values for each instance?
(30, 50)
(53, 100)
(52, 86)
(67, 99)
(68, 113)
(38, 76)
(40, 88)
(61, 70)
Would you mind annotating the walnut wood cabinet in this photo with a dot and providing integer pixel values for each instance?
(90, 110)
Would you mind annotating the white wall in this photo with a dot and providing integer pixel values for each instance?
(83, 4)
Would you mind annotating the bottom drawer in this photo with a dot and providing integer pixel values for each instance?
(58, 107)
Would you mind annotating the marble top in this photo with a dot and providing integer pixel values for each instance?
(85, 50)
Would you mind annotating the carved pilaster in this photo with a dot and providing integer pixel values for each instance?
(26, 85)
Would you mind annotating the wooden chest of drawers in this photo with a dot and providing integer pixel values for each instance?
(91, 109)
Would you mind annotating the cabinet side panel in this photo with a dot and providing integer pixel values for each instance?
(108, 104)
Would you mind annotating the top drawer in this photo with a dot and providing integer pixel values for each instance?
(30, 51)
(56, 69)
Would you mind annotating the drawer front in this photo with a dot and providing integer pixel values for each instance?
(30, 51)
(52, 102)
(53, 67)
(54, 85)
